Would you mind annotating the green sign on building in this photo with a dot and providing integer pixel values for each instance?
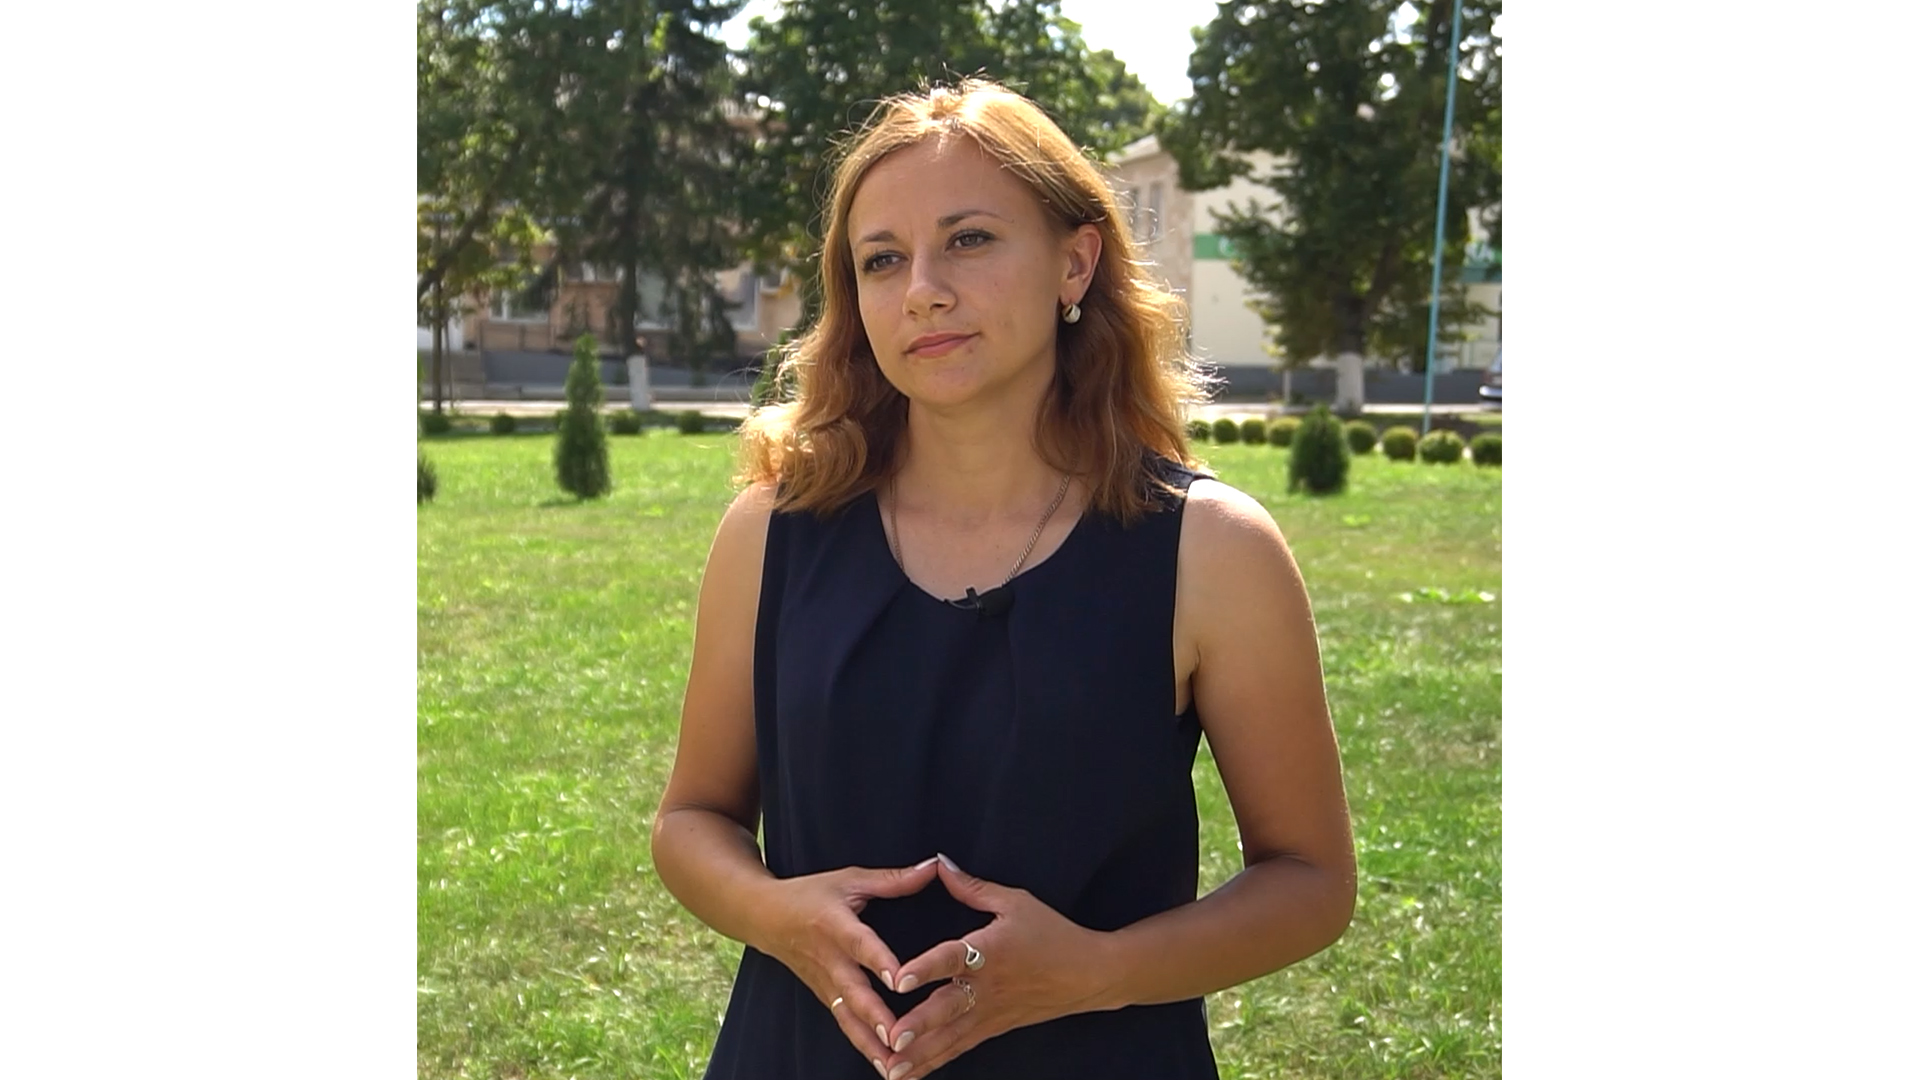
(1211, 246)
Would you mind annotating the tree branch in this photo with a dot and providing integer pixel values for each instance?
(437, 268)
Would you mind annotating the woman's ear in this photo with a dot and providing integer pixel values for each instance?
(1083, 254)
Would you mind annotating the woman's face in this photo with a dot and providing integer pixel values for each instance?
(961, 273)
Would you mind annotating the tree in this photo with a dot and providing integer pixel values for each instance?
(580, 450)
(653, 191)
(494, 259)
(488, 77)
(597, 131)
(1349, 101)
(823, 66)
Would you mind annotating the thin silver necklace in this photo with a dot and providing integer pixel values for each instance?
(893, 536)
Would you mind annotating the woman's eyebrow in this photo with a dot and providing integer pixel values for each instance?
(885, 235)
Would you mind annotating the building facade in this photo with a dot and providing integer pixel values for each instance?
(764, 307)
(1176, 230)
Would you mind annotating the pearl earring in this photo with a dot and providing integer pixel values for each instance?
(1072, 314)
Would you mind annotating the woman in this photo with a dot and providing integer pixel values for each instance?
(959, 638)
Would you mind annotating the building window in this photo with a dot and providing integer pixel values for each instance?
(741, 287)
(1154, 207)
(505, 306)
(1133, 211)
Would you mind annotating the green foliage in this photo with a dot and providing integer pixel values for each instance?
(1282, 432)
(1199, 430)
(1361, 437)
(691, 422)
(774, 385)
(1442, 447)
(1399, 442)
(626, 422)
(435, 423)
(502, 424)
(1253, 431)
(1226, 430)
(597, 133)
(1320, 458)
(1485, 449)
(429, 480)
(486, 78)
(1353, 102)
(824, 65)
(580, 451)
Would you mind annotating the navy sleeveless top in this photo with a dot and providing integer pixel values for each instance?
(1036, 747)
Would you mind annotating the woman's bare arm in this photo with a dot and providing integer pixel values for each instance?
(703, 834)
(1257, 684)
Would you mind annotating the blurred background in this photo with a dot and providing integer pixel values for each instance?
(651, 172)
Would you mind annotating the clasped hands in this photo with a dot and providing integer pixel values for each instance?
(1037, 965)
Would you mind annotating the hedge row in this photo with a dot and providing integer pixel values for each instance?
(622, 422)
(1399, 442)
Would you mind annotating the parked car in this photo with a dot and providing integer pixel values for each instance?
(1490, 383)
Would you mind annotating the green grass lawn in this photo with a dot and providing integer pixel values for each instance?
(553, 642)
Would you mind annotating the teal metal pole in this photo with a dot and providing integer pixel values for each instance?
(1440, 220)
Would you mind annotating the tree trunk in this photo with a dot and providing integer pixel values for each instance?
(1350, 395)
(1350, 344)
(439, 317)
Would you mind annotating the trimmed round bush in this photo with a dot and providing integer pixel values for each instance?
(435, 423)
(1320, 455)
(1226, 430)
(429, 481)
(1399, 442)
(1281, 431)
(1253, 431)
(626, 422)
(1199, 430)
(1361, 437)
(1485, 448)
(690, 422)
(1442, 448)
(502, 424)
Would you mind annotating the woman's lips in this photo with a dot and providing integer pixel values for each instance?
(940, 347)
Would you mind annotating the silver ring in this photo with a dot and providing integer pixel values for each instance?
(967, 989)
(975, 961)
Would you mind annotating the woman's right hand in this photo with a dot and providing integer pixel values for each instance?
(815, 930)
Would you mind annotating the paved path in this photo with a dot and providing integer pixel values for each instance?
(469, 407)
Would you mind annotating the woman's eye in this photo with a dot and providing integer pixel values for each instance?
(877, 262)
(971, 238)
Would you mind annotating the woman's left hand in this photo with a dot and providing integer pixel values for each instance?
(1037, 965)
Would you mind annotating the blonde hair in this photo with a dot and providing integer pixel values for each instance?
(1122, 373)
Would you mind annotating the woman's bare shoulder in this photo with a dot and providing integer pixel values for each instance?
(1227, 522)
(745, 521)
(1232, 549)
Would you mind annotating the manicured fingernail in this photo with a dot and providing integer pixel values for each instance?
(900, 1070)
(881, 1030)
(924, 863)
(908, 982)
(887, 977)
(950, 864)
(901, 1043)
(879, 1068)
